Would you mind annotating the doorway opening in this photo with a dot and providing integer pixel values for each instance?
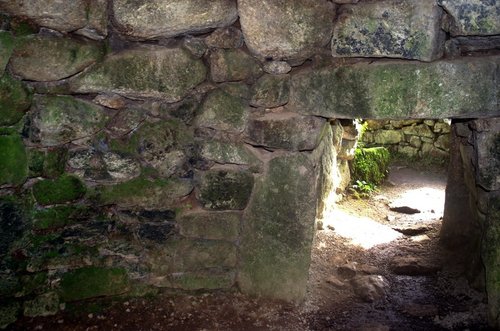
(377, 259)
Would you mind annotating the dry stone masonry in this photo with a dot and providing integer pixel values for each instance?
(189, 145)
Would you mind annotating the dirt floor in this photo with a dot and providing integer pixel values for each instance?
(376, 265)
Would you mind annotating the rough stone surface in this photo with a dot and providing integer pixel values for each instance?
(277, 67)
(233, 65)
(420, 130)
(491, 254)
(147, 71)
(6, 48)
(229, 153)
(91, 282)
(44, 305)
(225, 189)
(60, 119)
(441, 89)
(144, 193)
(389, 28)
(162, 19)
(50, 13)
(271, 91)
(13, 160)
(369, 288)
(388, 137)
(12, 223)
(296, 30)
(47, 58)
(211, 226)
(413, 266)
(224, 112)
(488, 151)
(63, 189)
(15, 99)
(278, 230)
(8, 314)
(285, 131)
(472, 17)
(229, 37)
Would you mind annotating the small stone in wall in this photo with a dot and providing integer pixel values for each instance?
(389, 28)
(196, 46)
(113, 101)
(233, 65)
(229, 37)
(15, 100)
(296, 30)
(143, 19)
(277, 67)
(44, 305)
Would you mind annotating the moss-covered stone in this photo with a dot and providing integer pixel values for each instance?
(193, 255)
(61, 119)
(60, 216)
(15, 99)
(228, 65)
(271, 91)
(472, 17)
(213, 226)
(6, 48)
(13, 160)
(420, 130)
(225, 189)
(9, 284)
(224, 112)
(286, 131)
(91, 282)
(145, 193)
(54, 162)
(158, 72)
(391, 90)
(370, 165)
(278, 229)
(49, 58)
(33, 283)
(63, 189)
(44, 305)
(8, 313)
(386, 28)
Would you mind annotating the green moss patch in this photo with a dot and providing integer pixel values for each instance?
(6, 47)
(370, 165)
(65, 188)
(15, 99)
(91, 282)
(60, 216)
(13, 160)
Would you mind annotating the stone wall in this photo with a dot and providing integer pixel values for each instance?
(189, 146)
(410, 138)
(472, 207)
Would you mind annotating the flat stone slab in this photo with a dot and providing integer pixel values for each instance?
(394, 90)
(413, 266)
(146, 19)
(390, 28)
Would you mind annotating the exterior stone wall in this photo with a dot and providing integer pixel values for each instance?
(411, 138)
(189, 145)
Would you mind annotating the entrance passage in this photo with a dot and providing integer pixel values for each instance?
(377, 263)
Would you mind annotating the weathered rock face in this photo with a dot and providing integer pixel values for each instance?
(224, 112)
(61, 57)
(60, 15)
(277, 235)
(286, 131)
(273, 30)
(158, 72)
(6, 48)
(271, 91)
(476, 17)
(163, 19)
(398, 90)
(390, 28)
(228, 65)
(211, 226)
(61, 119)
